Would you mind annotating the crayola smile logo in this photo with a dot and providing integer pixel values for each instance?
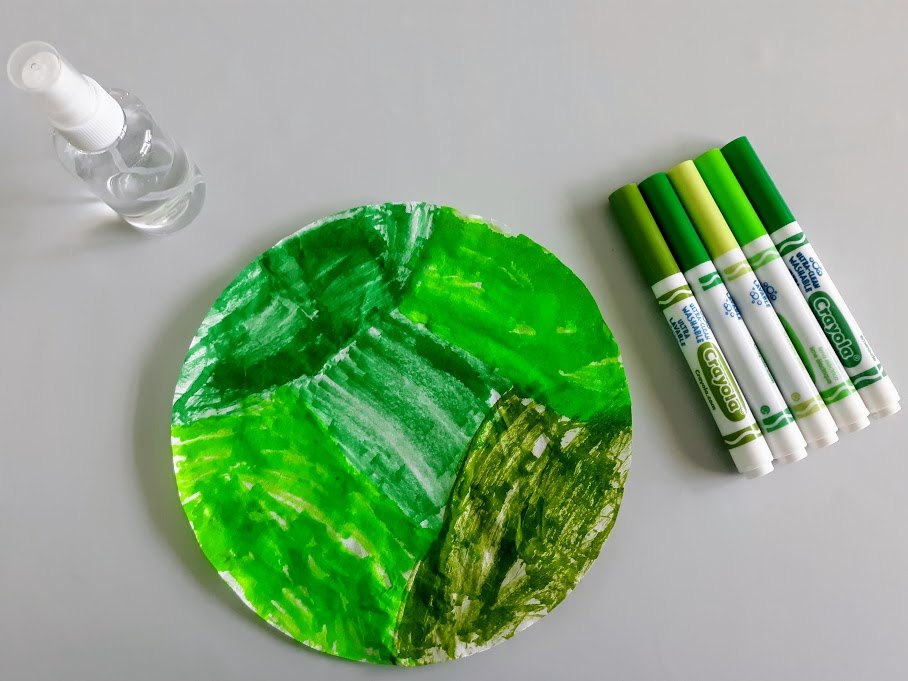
(836, 329)
(721, 383)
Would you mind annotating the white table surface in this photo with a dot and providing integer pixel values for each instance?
(529, 113)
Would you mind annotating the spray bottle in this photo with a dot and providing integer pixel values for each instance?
(109, 140)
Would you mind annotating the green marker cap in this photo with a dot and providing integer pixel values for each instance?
(702, 209)
(730, 197)
(680, 234)
(643, 235)
(757, 184)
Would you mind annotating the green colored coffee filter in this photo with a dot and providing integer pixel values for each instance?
(646, 241)
(740, 215)
(676, 227)
(757, 184)
(702, 209)
(401, 435)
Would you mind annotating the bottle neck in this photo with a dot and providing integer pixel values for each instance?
(100, 129)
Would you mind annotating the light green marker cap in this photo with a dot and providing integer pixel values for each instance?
(730, 197)
(680, 234)
(642, 233)
(702, 209)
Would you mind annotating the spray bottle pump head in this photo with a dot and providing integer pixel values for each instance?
(80, 109)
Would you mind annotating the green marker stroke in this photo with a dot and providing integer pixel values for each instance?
(401, 435)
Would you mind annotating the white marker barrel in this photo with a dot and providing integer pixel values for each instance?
(723, 395)
(813, 280)
(820, 359)
(795, 384)
(773, 415)
(829, 308)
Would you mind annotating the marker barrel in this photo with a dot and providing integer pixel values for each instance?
(773, 415)
(825, 301)
(801, 395)
(841, 329)
(795, 384)
(844, 404)
(717, 385)
(760, 390)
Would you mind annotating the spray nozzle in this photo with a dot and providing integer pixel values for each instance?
(34, 66)
(80, 109)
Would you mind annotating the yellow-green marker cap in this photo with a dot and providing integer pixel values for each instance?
(643, 235)
(740, 215)
(672, 219)
(702, 209)
(757, 184)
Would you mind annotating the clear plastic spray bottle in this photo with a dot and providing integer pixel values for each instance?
(108, 139)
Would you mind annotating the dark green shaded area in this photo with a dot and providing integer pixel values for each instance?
(299, 303)
(526, 519)
(512, 303)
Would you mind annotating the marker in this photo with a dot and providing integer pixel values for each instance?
(794, 382)
(692, 332)
(825, 301)
(814, 349)
(773, 416)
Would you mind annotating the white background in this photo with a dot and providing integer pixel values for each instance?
(530, 113)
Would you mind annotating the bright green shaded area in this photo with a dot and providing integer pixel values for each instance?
(535, 499)
(512, 303)
(304, 538)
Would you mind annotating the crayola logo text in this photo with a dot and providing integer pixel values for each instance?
(721, 382)
(836, 329)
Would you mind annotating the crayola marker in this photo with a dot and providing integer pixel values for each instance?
(773, 416)
(813, 280)
(786, 367)
(824, 367)
(692, 332)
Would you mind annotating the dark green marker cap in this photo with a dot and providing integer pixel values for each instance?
(757, 184)
(672, 219)
(642, 233)
(740, 215)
